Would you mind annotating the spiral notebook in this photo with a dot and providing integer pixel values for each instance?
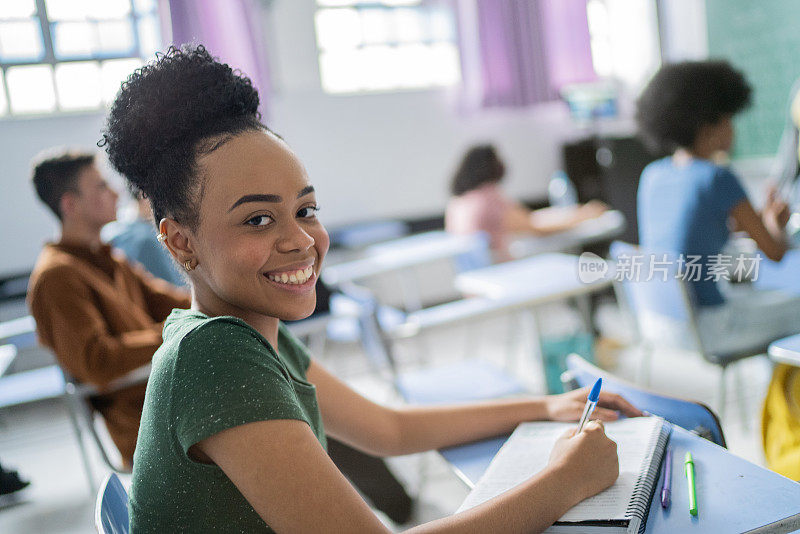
(623, 507)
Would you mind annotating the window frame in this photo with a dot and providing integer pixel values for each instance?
(49, 58)
(422, 6)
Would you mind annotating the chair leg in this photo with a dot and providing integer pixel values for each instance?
(82, 448)
(740, 401)
(722, 392)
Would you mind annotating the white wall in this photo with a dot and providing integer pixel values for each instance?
(391, 154)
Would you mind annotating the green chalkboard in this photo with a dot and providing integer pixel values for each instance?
(761, 38)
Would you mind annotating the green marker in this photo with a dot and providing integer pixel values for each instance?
(688, 466)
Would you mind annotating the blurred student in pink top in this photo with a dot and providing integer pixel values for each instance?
(479, 204)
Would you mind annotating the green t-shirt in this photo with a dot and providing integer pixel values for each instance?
(209, 375)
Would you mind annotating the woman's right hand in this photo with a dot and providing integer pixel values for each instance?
(776, 211)
(589, 459)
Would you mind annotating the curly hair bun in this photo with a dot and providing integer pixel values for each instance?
(163, 111)
(682, 97)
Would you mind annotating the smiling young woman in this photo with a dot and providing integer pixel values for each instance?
(232, 434)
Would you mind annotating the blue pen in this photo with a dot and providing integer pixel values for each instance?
(666, 488)
(591, 402)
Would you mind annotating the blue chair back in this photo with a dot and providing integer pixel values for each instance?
(662, 294)
(690, 415)
(478, 257)
(111, 509)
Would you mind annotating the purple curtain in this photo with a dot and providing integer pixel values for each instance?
(526, 49)
(229, 29)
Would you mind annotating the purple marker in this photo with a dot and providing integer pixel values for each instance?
(666, 488)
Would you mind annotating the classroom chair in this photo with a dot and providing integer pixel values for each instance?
(664, 317)
(84, 417)
(54, 382)
(462, 381)
(693, 416)
(111, 507)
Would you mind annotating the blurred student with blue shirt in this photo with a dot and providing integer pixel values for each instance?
(688, 203)
(135, 235)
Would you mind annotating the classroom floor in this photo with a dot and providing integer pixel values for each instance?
(38, 441)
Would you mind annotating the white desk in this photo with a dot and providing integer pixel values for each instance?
(786, 350)
(17, 327)
(400, 254)
(733, 494)
(540, 279)
(607, 226)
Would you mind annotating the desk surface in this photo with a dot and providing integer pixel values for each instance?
(786, 350)
(547, 276)
(607, 226)
(400, 254)
(733, 494)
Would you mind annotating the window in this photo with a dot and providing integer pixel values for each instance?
(71, 55)
(385, 45)
(624, 39)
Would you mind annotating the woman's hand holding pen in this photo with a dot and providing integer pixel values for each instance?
(587, 459)
(569, 406)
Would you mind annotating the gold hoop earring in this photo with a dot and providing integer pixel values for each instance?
(161, 237)
(188, 265)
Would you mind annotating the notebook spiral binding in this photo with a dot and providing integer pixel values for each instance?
(646, 483)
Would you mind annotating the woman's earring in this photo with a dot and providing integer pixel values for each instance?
(161, 237)
(188, 265)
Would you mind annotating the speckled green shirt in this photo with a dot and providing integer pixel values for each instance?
(209, 375)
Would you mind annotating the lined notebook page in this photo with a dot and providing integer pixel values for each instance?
(528, 449)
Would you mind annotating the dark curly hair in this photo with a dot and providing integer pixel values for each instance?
(55, 172)
(682, 97)
(480, 165)
(166, 114)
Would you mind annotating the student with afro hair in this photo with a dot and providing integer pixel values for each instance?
(689, 202)
(236, 411)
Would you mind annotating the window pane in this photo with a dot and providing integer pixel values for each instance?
(376, 26)
(78, 85)
(149, 35)
(115, 37)
(413, 66)
(337, 3)
(445, 64)
(68, 9)
(21, 41)
(378, 67)
(30, 89)
(17, 9)
(109, 9)
(400, 2)
(442, 27)
(73, 39)
(409, 25)
(3, 103)
(113, 73)
(340, 71)
(338, 28)
(144, 6)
